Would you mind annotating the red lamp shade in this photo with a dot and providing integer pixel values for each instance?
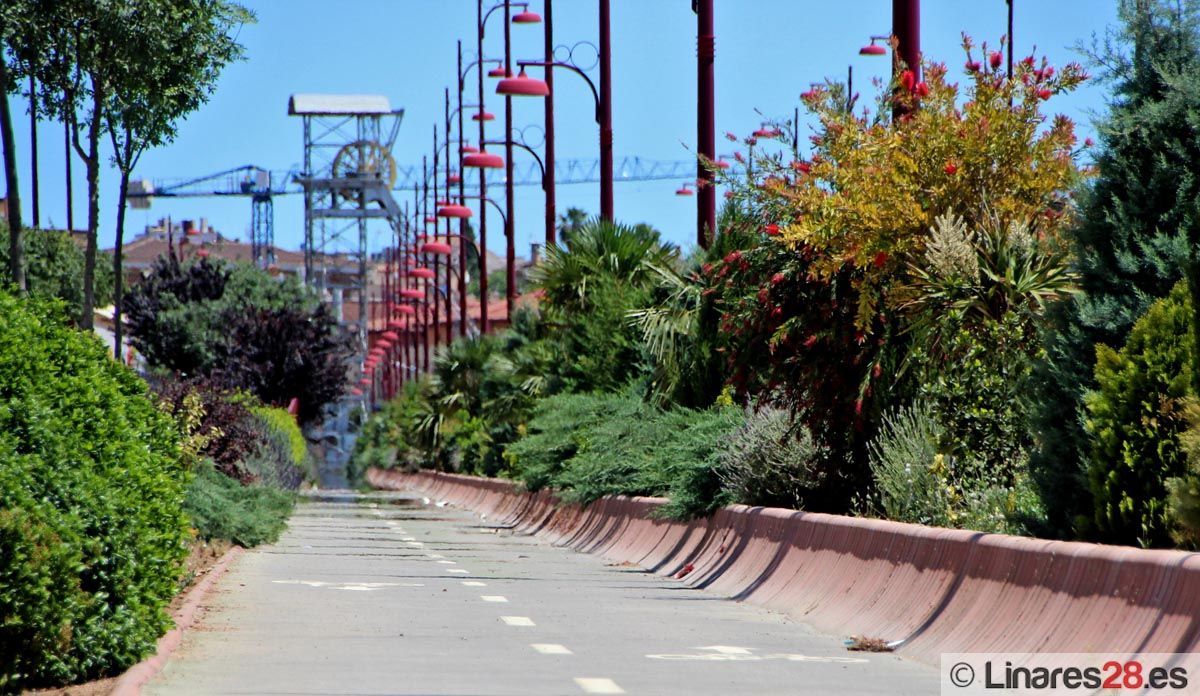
(389, 336)
(365, 382)
(383, 343)
(437, 248)
(454, 178)
(498, 72)
(356, 392)
(412, 294)
(872, 50)
(483, 160)
(483, 116)
(523, 86)
(442, 202)
(454, 211)
(422, 272)
(396, 324)
(405, 309)
(469, 149)
(526, 17)
(684, 191)
(430, 218)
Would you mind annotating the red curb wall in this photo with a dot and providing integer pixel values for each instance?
(938, 590)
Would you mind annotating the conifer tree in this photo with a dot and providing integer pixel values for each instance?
(1138, 224)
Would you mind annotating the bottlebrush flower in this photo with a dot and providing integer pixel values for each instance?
(995, 59)
(877, 371)
(706, 268)
(730, 137)
(802, 167)
(1088, 142)
(810, 341)
(1044, 94)
(922, 90)
(777, 312)
(764, 295)
(951, 168)
(973, 66)
(733, 256)
(880, 259)
(729, 194)
(772, 230)
(908, 80)
(778, 278)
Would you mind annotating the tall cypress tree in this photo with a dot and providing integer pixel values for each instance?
(1136, 233)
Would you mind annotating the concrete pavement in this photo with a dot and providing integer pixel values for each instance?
(383, 594)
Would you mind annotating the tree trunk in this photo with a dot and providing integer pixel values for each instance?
(93, 184)
(118, 281)
(16, 238)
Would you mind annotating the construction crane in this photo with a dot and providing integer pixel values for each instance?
(260, 185)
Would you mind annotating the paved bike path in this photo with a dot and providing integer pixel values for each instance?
(383, 594)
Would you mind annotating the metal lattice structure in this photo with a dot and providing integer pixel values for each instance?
(347, 176)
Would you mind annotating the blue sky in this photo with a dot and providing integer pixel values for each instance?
(768, 51)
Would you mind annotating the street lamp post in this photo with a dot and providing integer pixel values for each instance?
(606, 131)
(706, 131)
(548, 185)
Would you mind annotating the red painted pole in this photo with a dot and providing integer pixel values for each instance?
(548, 180)
(510, 248)
(906, 27)
(706, 130)
(462, 223)
(606, 130)
(484, 325)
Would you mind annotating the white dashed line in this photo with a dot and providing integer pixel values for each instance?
(435, 555)
(493, 598)
(592, 685)
(457, 570)
(551, 649)
(517, 620)
(474, 583)
(409, 538)
(447, 562)
(414, 543)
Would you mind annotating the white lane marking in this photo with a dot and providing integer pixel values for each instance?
(550, 648)
(726, 649)
(392, 523)
(409, 538)
(435, 555)
(457, 570)
(350, 586)
(593, 685)
(414, 543)
(493, 598)
(447, 562)
(517, 620)
(474, 583)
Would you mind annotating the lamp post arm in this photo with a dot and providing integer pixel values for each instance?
(497, 6)
(526, 148)
(572, 68)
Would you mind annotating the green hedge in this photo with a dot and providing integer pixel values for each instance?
(247, 515)
(590, 445)
(92, 532)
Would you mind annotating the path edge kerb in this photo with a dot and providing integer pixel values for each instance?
(131, 682)
(932, 590)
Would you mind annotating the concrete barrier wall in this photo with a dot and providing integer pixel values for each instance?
(938, 590)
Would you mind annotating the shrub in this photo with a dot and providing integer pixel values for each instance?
(222, 508)
(1183, 502)
(589, 446)
(1135, 417)
(92, 533)
(282, 425)
(905, 463)
(242, 328)
(231, 433)
(773, 460)
(54, 268)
